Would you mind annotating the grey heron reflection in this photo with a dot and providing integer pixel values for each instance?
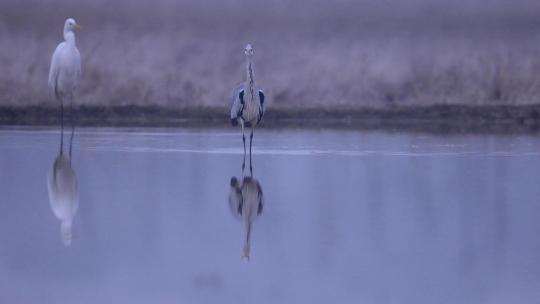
(63, 188)
(246, 202)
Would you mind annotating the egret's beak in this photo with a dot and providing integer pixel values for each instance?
(77, 26)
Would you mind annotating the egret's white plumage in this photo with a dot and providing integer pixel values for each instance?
(248, 102)
(246, 201)
(65, 70)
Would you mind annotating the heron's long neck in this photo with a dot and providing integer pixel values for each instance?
(250, 79)
(69, 37)
(247, 235)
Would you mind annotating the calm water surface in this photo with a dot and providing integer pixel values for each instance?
(337, 217)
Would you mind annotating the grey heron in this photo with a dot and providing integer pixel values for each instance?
(248, 103)
(65, 70)
(63, 189)
(246, 201)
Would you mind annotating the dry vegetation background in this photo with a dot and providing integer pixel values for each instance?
(313, 54)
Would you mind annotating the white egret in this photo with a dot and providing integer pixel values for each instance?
(65, 70)
(248, 103)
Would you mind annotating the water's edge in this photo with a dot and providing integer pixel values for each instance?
(433, 119)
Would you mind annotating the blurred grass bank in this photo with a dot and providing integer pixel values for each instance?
(466, 65)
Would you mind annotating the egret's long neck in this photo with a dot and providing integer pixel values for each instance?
(65, 230)
(250, 79)
(69, 37)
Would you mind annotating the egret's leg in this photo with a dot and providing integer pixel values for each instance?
(250, 142)
(71, 141)
(61, 127)
(71, 111)
(62, 116)
(72, 125)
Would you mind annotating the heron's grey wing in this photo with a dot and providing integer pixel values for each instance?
(237, 105)
(261, 107)
(260, 205)
(235, 200)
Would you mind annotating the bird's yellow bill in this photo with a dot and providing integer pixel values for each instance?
(78, 26)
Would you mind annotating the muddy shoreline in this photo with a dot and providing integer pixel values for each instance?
(432, 119)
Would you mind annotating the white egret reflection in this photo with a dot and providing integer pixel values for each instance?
(63, 188)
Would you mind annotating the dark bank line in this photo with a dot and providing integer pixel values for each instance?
(431, 119)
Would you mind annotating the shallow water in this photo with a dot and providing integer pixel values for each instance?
(347, 217)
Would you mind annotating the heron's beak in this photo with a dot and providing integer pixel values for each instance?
(78, 26)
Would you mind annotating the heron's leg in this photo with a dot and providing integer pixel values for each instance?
(250, 142)
(244, 141)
